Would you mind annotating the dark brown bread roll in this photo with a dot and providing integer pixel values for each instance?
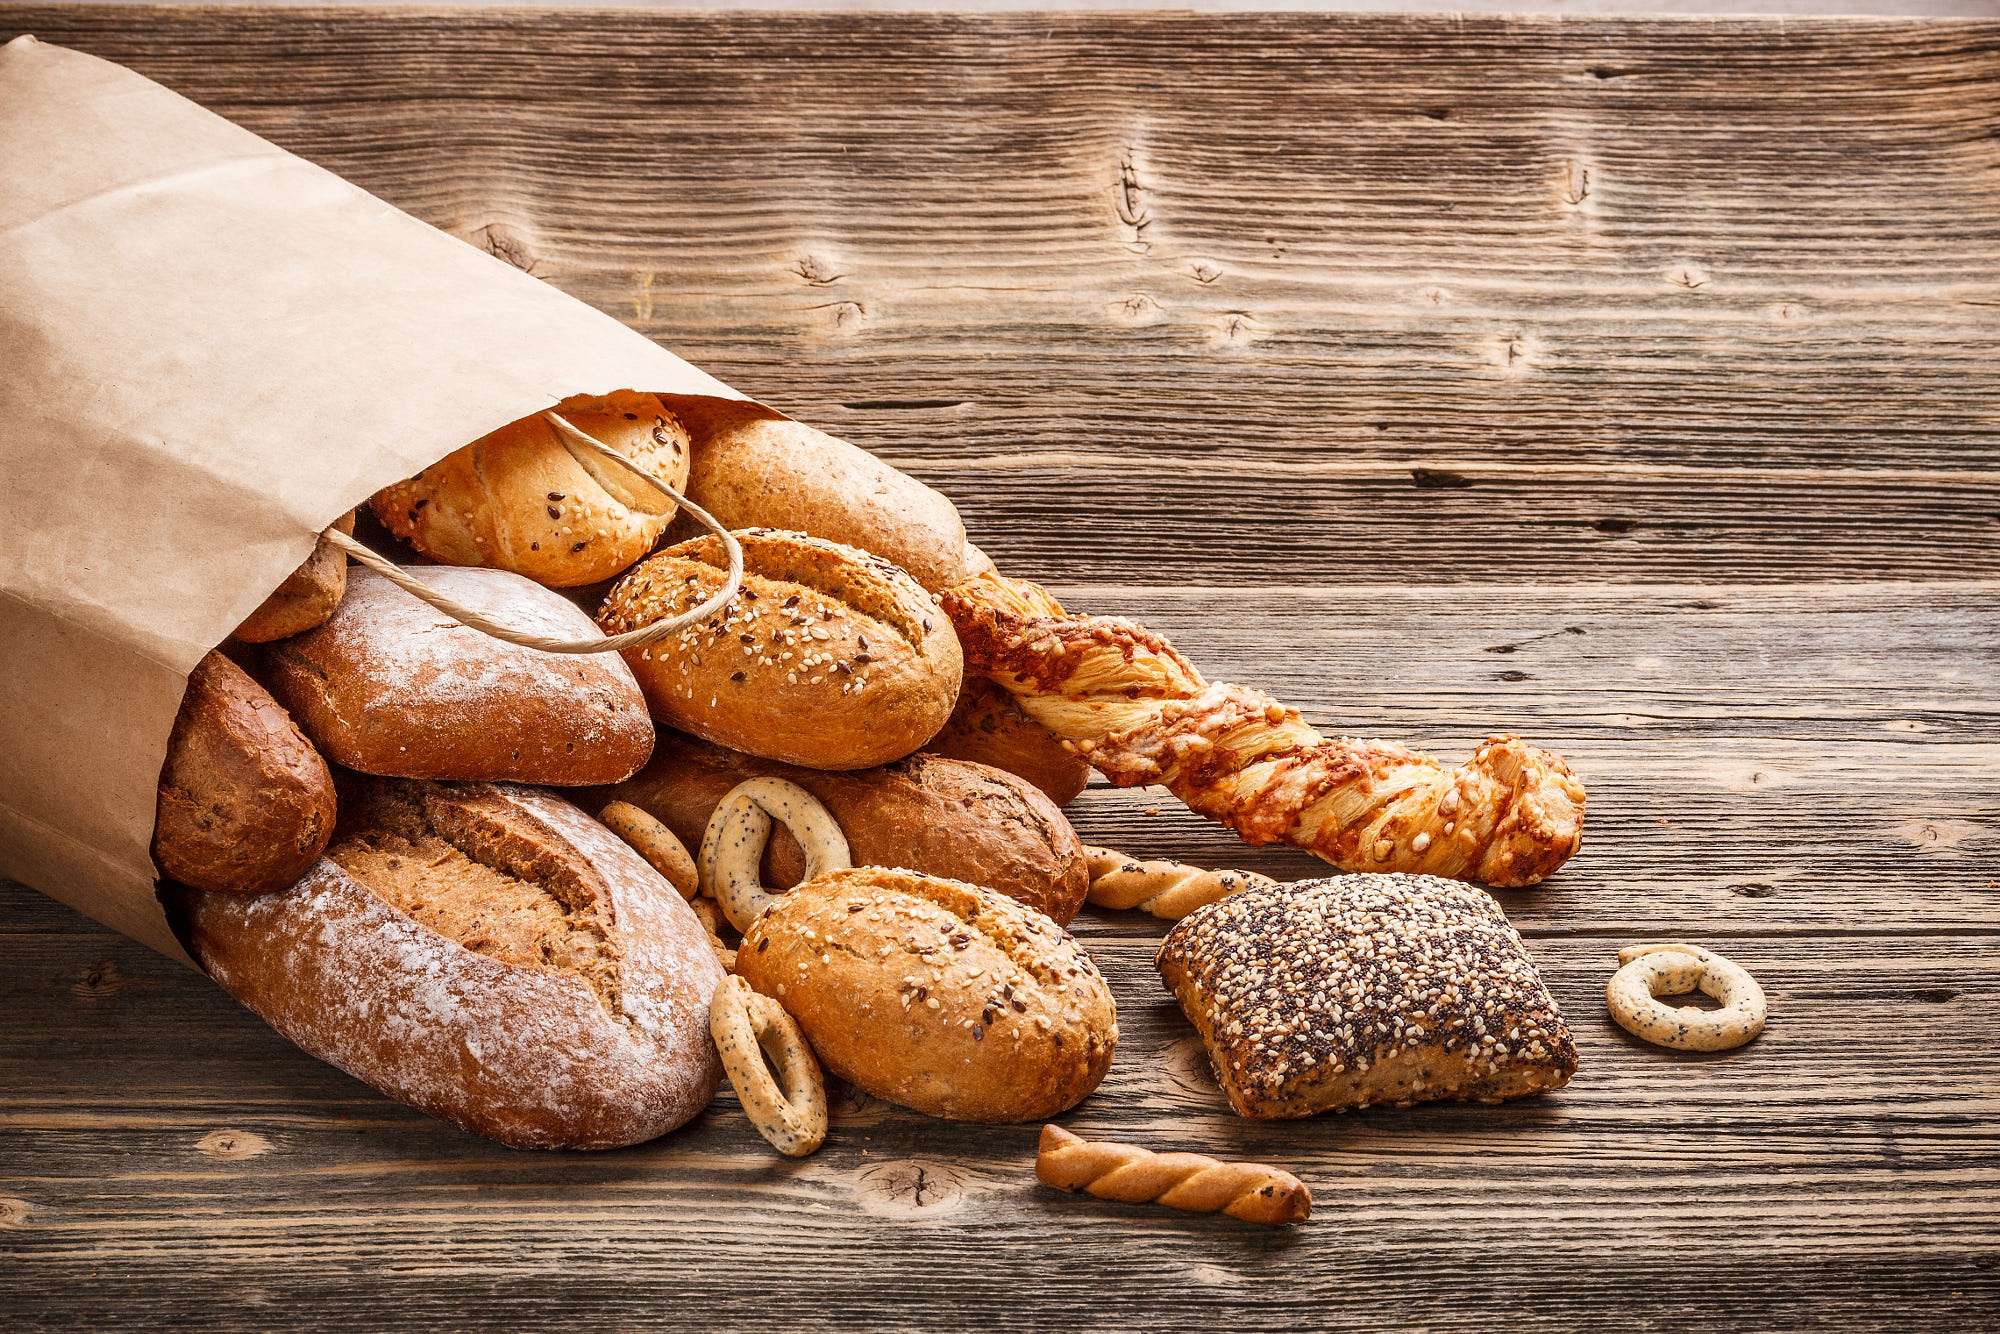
(925, 813)
(829, 657)
(246, 804)
(485, 953)
(306, 598)
(935, 994)
(987, 727)
(390, 686)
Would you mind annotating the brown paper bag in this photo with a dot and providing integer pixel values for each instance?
(209, 349)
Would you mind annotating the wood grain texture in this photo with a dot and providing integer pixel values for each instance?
(1628, 384)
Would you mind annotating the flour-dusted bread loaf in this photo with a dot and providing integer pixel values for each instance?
(485, 953)
(391, 686)
(755, 469)
(987, 727)
(245, 803)
(924, 813)
(935, 994)
(524, 499)
(829, 657)
(306, 598)
(1362, 989)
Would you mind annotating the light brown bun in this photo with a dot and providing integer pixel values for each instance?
(520, 499)
(306, 598)
(830, 657)
(935, 994)
(487, 954)
(246, 804)
(755, 469)
(924, 813)
(987, 727)
(390, 686)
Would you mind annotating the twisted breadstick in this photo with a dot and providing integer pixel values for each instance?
(1165, 889)
(1140, 712)
(1191, 1181)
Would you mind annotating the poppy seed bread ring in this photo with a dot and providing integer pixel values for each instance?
(790, 1110)
(1647, 972)
(733, 845)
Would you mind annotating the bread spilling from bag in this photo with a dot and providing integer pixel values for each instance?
(245, 804)
(487, 954)
(306, 598)
(391, 686)
(935, 994)
(829, 657)
(988, 727)
(755, 469)
(924, 813)
(525, 499)
(1364, 989)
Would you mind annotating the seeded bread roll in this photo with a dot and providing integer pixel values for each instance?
(1327, 994)
(523, 499)
(924, 813)
(246, 804)
(987, 727)
(935, 994)
(306, 598)
(391, 686)
(829, 657)
(755, 469)
(487, 954)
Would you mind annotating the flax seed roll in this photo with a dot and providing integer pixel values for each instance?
(935, 994)
(829, 658)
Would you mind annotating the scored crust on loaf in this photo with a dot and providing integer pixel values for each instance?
(1363, 989)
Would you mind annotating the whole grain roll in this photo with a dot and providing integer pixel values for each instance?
(988, 727)
(935, 994)
(487, 954)
(924, 813)
(755, 469)
(306, 598)
(523, 499)
(391, 686)
(245, 803)
(829, 657)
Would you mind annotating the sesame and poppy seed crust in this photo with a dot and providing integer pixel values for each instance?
(1363, 989)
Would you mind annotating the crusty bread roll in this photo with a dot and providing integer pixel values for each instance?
(522, 499)
(246, 804)
(391, 686)
(924, 813)
(830, 657)
(987, 727)
(935, 994)
(1364, 989)
(485, 953)
(306, 598)
(755, 469)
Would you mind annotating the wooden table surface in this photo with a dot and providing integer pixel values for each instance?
(1633, 384)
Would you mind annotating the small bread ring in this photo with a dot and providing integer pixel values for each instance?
(733, 844)
(747, 1027)
(655, 842)
(1647, 972)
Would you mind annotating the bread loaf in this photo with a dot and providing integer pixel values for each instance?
(485, 953)
(829, 657)
(390, 686)
(306, 598)
(935, 994)
(755, 469)
(522, 499)
(245, 803)
(924, 813)
(987, 727)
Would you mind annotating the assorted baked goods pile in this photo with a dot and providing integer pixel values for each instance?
(543, 894)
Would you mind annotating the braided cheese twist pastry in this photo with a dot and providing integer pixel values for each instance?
(1165, 889)
(1124, 698)
(1191, 1181)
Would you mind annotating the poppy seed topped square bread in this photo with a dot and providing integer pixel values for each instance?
(1364, 989)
